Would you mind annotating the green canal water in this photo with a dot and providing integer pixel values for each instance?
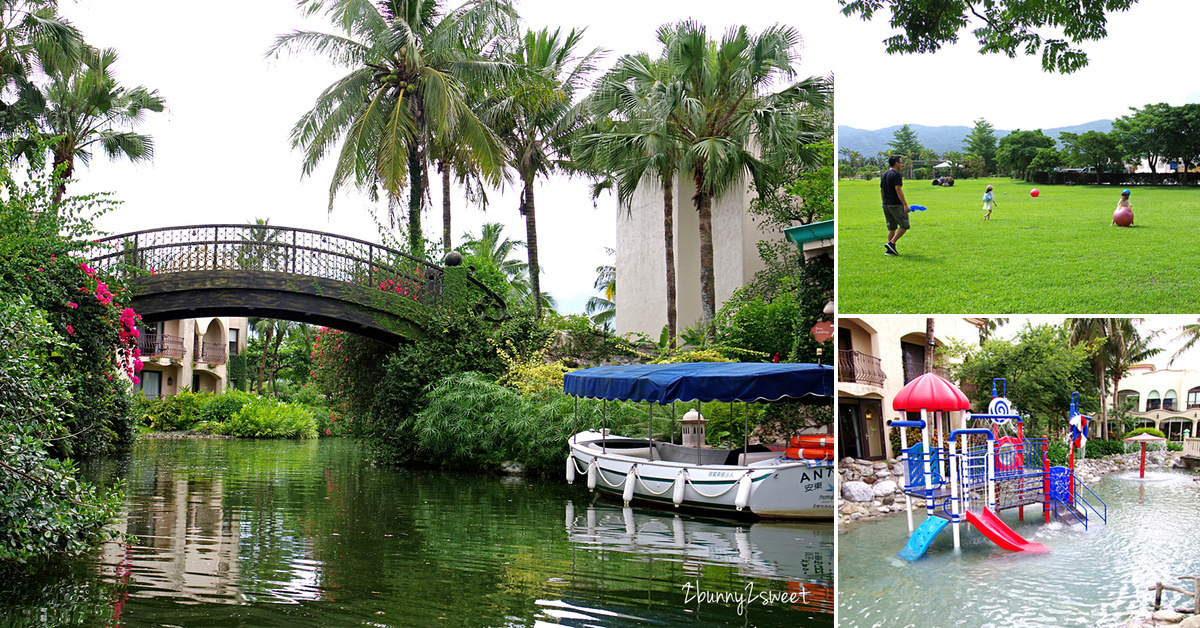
(269, 533)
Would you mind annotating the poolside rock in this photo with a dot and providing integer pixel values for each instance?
(884, 488)
(1168, 616)
(513, 467)
(857, 492)
(1190, 622)
(852, 509)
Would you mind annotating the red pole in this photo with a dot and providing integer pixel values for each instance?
(1071, 475)
(1046, 481)
(1143, 460)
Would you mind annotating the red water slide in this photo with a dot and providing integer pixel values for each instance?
(995, 529)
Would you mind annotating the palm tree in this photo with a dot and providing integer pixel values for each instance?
(88, 107)
(261, 247)
(603, 310)
(1117, 345)
(720, 103)
(638, 144)
(1190, 334)
(34, 40)
(491, 245)
(407, 87)
(538, 118)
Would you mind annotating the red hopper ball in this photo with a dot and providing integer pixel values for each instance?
(1034, 192)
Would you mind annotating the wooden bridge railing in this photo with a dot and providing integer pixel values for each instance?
(284, 250)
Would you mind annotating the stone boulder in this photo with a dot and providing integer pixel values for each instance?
(1190, 622)
(857, 492)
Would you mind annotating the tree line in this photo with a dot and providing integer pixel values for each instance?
(472, 94)
(1157, 136)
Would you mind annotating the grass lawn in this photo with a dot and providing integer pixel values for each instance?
(1055, 254)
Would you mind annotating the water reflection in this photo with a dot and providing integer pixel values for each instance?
(181, 543)
(798, 554)
(308, 534)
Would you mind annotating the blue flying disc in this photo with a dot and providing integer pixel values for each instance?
(916, 208)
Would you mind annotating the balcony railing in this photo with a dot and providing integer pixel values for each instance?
(859, 368)
(913, 370)
(160, 346)
(210, 352)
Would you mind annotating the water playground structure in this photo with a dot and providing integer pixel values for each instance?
(984, 470)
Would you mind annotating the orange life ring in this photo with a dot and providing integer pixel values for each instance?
(799, 453)
(812, 440)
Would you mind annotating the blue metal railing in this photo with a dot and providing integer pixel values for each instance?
(1074, 501)
(914, 460)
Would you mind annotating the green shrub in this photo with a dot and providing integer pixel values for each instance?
(267, 418)
(221, 408)
(1102, 448)
(1057, 454)
(172, 413)
(473, 422)
(45, 512)
(1145, 430)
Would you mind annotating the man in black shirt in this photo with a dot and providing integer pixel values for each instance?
(895, 208)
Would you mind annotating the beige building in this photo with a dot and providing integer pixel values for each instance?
(877, 356)
(1166, 399)
(190, 354)
(641, 256)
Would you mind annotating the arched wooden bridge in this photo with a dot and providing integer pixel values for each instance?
(292, 274)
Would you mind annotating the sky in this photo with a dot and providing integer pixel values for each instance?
(222, 149)
(1142, 61)
(1168, 340)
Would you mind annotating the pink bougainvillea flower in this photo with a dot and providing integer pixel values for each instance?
(327, 432)
(72, 305)
(70, 330)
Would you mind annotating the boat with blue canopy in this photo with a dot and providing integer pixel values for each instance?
(751, 480)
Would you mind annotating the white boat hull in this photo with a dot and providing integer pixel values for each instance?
(778, 488)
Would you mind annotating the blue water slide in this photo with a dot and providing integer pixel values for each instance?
(922, 537)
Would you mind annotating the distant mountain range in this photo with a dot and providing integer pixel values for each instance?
(939, 138)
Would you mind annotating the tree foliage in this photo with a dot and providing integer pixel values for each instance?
(1140, 134)
(1055, 27)
(981, 141)
(1042, 369)
(906, 143)
(408, 61)
(1017, 150)
(1092, 148)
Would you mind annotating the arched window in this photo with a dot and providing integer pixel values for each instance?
(1193, 398)
(1153, 402)
(1132, 397)
(1170, 401)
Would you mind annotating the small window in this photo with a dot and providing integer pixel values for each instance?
(151, 384)
(1169, 401)
(1153, 401)
(233, 341)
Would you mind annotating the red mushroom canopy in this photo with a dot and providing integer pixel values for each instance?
(930, 392)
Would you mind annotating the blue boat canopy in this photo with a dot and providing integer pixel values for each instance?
(704, 381)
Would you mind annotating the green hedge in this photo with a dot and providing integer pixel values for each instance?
(266, 418)
(472, 422)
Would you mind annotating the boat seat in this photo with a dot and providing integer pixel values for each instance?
(679, 453)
